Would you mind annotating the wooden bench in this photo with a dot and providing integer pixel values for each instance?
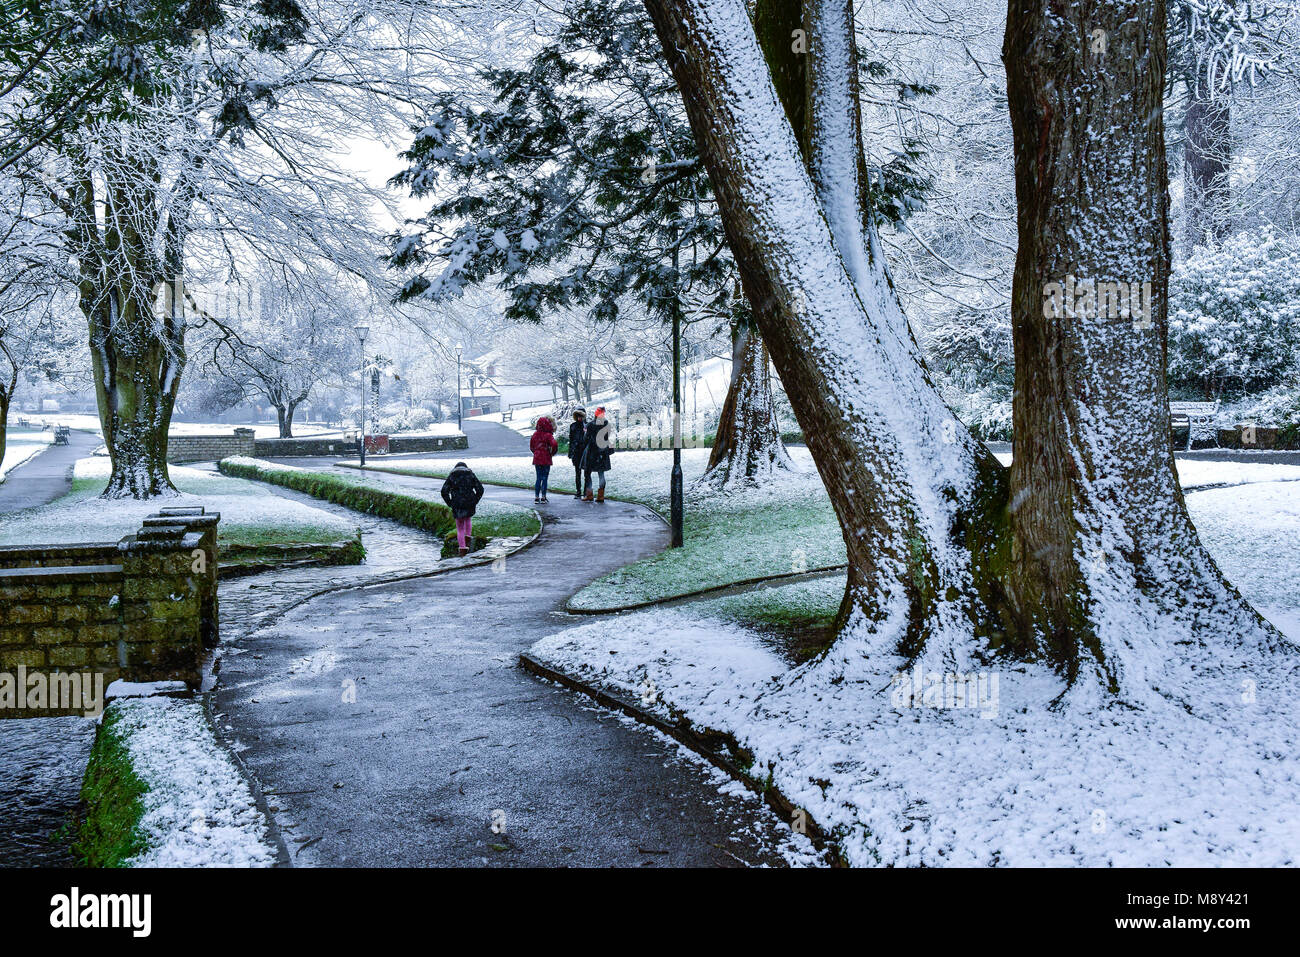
(1196, 416)
(62, 434)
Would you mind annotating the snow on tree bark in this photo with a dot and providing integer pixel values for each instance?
(747, 448)
(1207, 156)
(906, 480)
(1105, 564)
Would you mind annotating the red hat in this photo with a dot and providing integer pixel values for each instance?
(600, 410)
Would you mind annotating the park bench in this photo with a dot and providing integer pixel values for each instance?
(1197, 416)
(62, 434)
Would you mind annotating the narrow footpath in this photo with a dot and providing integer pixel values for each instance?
(391, 725)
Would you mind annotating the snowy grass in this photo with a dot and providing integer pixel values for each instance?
(1214, 784)
(492, 519)
(161, 792)
(21, 445)
(1024, 786)
(785, 526)
(249, 516)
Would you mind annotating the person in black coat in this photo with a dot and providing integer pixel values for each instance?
(597, 448)
(462, 491)
(577, 443)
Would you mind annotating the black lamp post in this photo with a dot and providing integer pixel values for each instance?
(362, 330)
(459, 404)
(678, 509)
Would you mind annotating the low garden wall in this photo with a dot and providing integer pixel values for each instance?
(141, 609)
(284, 448)
(209, 448)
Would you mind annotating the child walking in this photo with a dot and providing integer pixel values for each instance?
(462, 491)
(544, 446)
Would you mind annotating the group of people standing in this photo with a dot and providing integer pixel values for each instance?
(590, 446)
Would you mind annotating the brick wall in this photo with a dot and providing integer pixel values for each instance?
(209, 448)
(142, 609)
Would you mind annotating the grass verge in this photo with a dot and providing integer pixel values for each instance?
(359, 494)
(107, 831)
(256, 530)
(784, 527)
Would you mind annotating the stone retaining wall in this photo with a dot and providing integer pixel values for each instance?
(142, 609)
(282, 448)
(209, 448)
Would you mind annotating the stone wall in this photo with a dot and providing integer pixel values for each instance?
(142, 609)
(209, 448)
(283, 448)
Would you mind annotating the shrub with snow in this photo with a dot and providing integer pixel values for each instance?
(1234, 316)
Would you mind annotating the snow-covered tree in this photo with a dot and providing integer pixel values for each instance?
(295, 336)
(1234, 316)
(576, 186)
(1104, 570)
(1215, 47)
(215, 153)
(948, 559)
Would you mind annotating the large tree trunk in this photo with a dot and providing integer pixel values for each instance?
(1207, 155)
(915, 495)
(136, 377)
(137, 356)
(747, 447)
(1105, 565)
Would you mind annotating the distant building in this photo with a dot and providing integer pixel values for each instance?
(492, 387)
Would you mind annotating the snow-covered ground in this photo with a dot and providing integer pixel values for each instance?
(21, 445)
(784, 526)
(1208, 776)
(198, 810)
(248, 512)
(261, 430)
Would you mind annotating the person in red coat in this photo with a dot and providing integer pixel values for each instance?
(544, 447)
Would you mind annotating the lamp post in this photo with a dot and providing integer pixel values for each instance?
(678, 508)
(362, 330)
(459, 404)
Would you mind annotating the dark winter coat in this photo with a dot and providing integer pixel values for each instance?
(543, 442)
(577, 441)
(598, 445)
(461, 492)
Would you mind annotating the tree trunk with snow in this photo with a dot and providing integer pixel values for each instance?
(1207, 155)
(137, 337)
(137, 372)
(916, 496)
(747, 447)
(6, 395)
(1105, 565)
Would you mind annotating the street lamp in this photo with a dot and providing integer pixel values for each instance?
(459, 403)
(678, 506)
(362, 330)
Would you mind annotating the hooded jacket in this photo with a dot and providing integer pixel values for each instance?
(598, 445)
(543, 442)
(462, 491)
(577, 442)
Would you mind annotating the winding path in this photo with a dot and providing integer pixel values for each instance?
(447, 734)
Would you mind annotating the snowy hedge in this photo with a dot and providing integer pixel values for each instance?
(407, 509)
(1234, 316)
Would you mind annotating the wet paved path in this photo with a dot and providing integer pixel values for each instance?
(41, 759)
(47, 475)
(446, 732)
